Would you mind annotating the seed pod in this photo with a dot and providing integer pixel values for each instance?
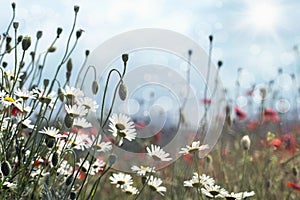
(95, 87)
(245, 142)
(122, 91)
(69, 119)
(54, 159)
(26, 42)
(5, 168)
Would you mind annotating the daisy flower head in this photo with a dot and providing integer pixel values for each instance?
(24, 94)
(82, 123)
(214, 191)
(120, 179)
(76, 110)
(142, 171)
(155, 185)
(122, 127)
(7, 101)
(88, 103)
(51, 132)
(72, 93)
(157, 153)
(129, 189)
(43, 97)
(193, 148)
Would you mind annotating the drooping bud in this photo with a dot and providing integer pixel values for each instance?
(69, 65)
(95, 87)
(122, 91)
(220, 63)
(210, 37)
(87, 53)
(19, 39)
(39, 34)
(13, 5)
(79, 33)
(26, 42)
(46, 82)
(245, 142)
(5, 168)
(51, 49)
(58, 31)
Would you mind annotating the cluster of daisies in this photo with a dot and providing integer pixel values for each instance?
(209, 189)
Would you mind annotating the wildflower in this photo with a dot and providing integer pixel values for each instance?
(197, 180)
(78, 141)
(239, 196)
(8, 185)
(51, 132)
(194, 147)
(214, 191)
(120, 179)
(75, 110)
(275, 143)
(141, 171)
(121, 126)
(245, 142)
(293, 186)
(24, 94)
(43, 97)
(72, 93)
(81, 123)
(240, 113)
(270, 115)
(158, 153)
(88, 103)
(154, 184)
(98, 166)
(100, 145)
(7, 101)
(128, 189)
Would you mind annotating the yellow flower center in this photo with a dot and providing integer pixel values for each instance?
(9, 99)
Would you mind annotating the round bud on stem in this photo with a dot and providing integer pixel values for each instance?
(220, 63)
(20, 38)
(39, 34)
(5, 168)
(112, 159)
(76, 9)
(95, 87)
(245, 142)
(58, 32)
(13, 5)
(190, 52)
(125, 58)
(210, 37)
(26, 42)
(16, 25)
(87, 52)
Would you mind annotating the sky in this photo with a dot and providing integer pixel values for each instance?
(257, 36)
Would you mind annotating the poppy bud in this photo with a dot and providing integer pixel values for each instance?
(112, 159)
(58, 32)
(125, 58)
(16, 25)
(95, 87)
(26, 42)
(122, 91)
(5, 168)
(39, 34)
(54, 159)
(69, 180)
(69, 119)
(69, 65)
(76, 9)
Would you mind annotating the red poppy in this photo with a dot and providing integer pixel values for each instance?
(276, 142)
(293, 186)
(240, 113)
(270, 115)
(290, 143)
(252, 125)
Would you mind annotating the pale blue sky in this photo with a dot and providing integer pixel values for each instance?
(257, 36)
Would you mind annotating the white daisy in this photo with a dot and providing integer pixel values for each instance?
(85, 166)
(88, 103)
(24, 94)
(78, 141)
(197, 181)
(154, 184)
(193, 148)
(141, 171)
(240, 195)
(52, 132)
(129, 189)
(121, 126)
(72, 93)
(76, 110)
(158, 153)
(81, 123)
(44, 97)
(100, 145)
(206, 180)
(98, 166)
(65, 168)
(7, 185)
(214, 191)
(7, 101)
(120, 179)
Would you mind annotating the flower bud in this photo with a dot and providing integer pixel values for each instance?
(245, 142)
(51, 49)
(69, 119)
(122, 91)
(220, 63)
(69, 180)
(112, 159)
(87, 53)
(72, 195)
(95, 87)
(54, 159)
(16, 25)
(46, 82)
(39, 34)
(19, 39)
(5, 168)
(58, 31)
(190, 52)
(78, 33)
(76, 9)
(13, 5)
(125, 58)
(4, 64)
(69, 65)
(210, 38)
(26, 42)
(60, 94)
